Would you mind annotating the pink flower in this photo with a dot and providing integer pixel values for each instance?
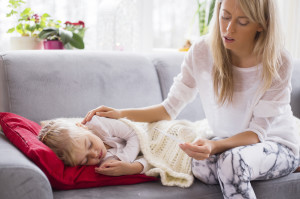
(81, 23)
(36, 18)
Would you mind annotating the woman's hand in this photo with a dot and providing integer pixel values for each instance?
(199, 150)
(118, 168)
(102, 111)
(202, 148)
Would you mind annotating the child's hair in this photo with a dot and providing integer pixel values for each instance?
(61, 136)
(269, 45)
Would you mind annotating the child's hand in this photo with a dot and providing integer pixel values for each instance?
(118, 168)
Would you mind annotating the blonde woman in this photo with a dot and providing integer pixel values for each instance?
(243, 75)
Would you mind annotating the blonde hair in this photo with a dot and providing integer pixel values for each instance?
(61, 136)
(268, 44)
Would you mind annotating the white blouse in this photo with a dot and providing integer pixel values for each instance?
(267, 114)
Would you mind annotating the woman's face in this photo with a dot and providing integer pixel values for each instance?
(92, 150)
(237, 31)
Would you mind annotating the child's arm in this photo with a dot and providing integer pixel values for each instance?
(145, 163)
(118, 168)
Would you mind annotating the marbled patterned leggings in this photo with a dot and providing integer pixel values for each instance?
(235, 168)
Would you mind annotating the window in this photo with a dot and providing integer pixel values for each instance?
(138, 25)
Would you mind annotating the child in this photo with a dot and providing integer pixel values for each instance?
(109, 143)
(115, 144)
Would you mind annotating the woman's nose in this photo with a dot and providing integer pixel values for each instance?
(230, 27)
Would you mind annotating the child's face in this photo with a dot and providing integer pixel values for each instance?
(92, 150)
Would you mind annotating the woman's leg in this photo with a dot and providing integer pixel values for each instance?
(206, 170)
(262, 161)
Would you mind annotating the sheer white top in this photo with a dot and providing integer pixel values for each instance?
(267, 114)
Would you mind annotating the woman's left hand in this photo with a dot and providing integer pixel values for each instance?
(199, 150)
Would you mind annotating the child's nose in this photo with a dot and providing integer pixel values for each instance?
(93, 154)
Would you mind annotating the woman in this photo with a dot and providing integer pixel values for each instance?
(243, 77)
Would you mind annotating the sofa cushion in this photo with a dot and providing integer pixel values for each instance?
(167, 66)
(23, 134)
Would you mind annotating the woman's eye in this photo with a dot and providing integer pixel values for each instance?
(243, 24)
(226, 18)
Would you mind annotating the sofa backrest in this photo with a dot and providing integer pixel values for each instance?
(42, 85)
(168, 65)
(295, 98)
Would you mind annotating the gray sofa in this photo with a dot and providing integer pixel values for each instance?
(42, 85)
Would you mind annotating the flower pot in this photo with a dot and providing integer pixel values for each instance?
(25, 43)
(53, 45)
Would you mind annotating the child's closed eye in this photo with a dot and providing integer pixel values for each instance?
(91, 145)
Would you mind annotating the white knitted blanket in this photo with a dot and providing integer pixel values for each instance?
(164, 154)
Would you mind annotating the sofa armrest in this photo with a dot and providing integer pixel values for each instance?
(19, 177)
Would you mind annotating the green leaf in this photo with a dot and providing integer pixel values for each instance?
(11, 30)
(26, 12)
(47, 32)
(15, 3)
(20, 28)
(77, 41)
(45, 15)
(12, 12)
(65, 35)
(211, 10)
(30, 28)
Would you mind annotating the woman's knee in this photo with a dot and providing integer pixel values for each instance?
(231, 164)
(205, 170)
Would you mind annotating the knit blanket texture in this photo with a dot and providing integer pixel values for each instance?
(163, 153)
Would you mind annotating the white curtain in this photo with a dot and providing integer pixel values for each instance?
(174, 22)
(290, 16)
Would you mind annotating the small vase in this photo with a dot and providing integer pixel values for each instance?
(53, 45)
(25, 43)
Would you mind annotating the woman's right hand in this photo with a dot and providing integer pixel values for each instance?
(102, 111)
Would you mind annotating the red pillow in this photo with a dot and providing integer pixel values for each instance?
(23, 134)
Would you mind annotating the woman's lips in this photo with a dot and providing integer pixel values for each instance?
(228, 39)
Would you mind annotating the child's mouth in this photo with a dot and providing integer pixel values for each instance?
(100, 155)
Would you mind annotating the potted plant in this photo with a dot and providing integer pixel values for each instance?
(76, 27)
(58, 38)
(29, 25)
